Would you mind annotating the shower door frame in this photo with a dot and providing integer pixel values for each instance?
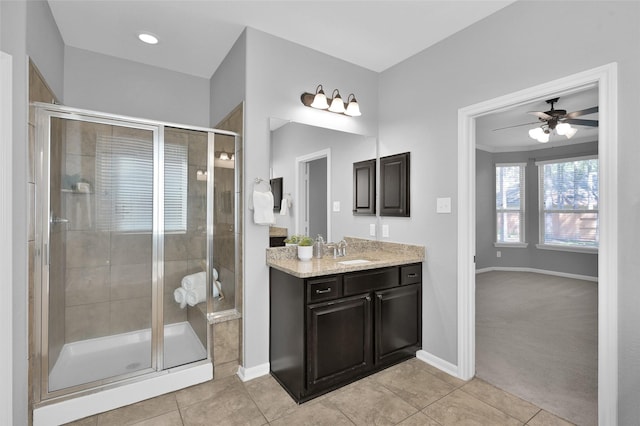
(40, 376)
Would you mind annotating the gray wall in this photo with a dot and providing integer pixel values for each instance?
(227, 85)
(277, 73)
(490, 59)
(13, 30)
(108, 84)
(45, 46)
(318, 198)
(529, 257)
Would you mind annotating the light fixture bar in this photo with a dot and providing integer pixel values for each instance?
(334, 104)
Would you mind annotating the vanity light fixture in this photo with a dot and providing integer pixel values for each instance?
(225, 156)
(335, 104)
(148, 38)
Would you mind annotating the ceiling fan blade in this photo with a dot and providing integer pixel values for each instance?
(580, 122)
(517, 125)
(587, 111)
(541, 115)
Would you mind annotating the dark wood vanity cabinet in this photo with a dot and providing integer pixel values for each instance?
(331, 330)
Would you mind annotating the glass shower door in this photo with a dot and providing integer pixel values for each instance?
(100, 269)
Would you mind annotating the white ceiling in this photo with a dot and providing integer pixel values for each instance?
(196, 35)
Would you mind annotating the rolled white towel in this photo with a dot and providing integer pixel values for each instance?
(216, 288)
(195, 296)
(215, 274)
(180, 296)
(194, 281)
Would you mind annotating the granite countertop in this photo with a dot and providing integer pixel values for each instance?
(379, 254)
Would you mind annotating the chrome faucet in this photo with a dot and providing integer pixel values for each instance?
(342, 248)
(334, 247)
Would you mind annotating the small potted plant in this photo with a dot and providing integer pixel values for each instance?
(305, 248)
(292, 240)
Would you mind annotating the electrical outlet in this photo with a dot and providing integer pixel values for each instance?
(336, 206)
(385, 231)
(443, 205)
(372, 229)
(498, 253)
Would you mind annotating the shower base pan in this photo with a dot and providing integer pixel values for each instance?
(82, 360)
(86, 361)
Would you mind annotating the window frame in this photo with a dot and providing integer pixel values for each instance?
(542, 211)
(522, 210)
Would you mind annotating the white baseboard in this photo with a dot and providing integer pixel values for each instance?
(251, 373)
(438, 363)
(537, 271)
(109, 399)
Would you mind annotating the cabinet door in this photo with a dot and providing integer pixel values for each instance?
(395, 185)
(398, 319)
(364, 187)
(338, 340)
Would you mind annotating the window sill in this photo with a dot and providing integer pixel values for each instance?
(512, 245)
(587, 250)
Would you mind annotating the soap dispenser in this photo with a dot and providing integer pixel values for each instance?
(318, 247)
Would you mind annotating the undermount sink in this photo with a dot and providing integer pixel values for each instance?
(353, 262)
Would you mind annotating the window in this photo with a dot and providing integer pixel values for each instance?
(124, 185)
(510, 203)
(569, 203)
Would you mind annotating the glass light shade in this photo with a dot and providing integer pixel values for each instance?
(572, 131)
(337, 105)
(353, 109)
(543, 138)
(224, 156)
(536, 133)
(320, 100)
(563, 128)
(148, 38)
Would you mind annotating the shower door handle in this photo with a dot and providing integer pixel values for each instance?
(55, 220)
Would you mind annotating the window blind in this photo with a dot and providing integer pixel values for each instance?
(510, 205)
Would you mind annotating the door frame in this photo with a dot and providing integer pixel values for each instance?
(606, 79)
(300, 164)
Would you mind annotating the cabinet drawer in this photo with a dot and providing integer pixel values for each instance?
(324, 288)
(362, 282)
(411, 274)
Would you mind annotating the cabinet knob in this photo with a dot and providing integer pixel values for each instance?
(368, 298)
(379, 296)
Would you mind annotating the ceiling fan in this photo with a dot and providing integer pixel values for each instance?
(558, 120)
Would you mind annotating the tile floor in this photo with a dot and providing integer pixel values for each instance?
(410, 393)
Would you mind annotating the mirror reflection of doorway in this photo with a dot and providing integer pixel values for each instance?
(315, 209)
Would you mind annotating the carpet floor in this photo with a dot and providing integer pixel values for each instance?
(537, 338)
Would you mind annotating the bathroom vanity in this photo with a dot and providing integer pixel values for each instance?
(333, 321)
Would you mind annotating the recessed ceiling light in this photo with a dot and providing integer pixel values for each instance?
(148, 38)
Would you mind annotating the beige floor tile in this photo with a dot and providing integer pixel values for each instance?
(459, 408)
(368, 403)
(413, 384)
(231, 407)
(87, 421)
(270, 397)
(315, 413)
(137, 412)
(169, 419)
(503, 401)
(419, 419)
(438, 373)
(206, 390)
(544, 418)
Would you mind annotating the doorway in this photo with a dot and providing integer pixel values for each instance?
(313, 190)
(605, 78)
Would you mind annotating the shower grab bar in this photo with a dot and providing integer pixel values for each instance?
(55, 220)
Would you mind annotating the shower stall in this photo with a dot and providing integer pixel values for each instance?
(137, 251)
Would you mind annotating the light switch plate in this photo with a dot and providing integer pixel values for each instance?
(372, 229)
(443, 205)
(385, 231)
(336, 206)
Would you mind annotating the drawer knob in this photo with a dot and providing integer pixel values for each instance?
(326, 290)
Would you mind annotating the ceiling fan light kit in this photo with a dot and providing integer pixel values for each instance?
(334, 104)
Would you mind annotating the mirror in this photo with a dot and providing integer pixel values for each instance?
(316, 167)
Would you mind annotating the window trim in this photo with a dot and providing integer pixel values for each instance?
(523, 188)
(541, 211)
